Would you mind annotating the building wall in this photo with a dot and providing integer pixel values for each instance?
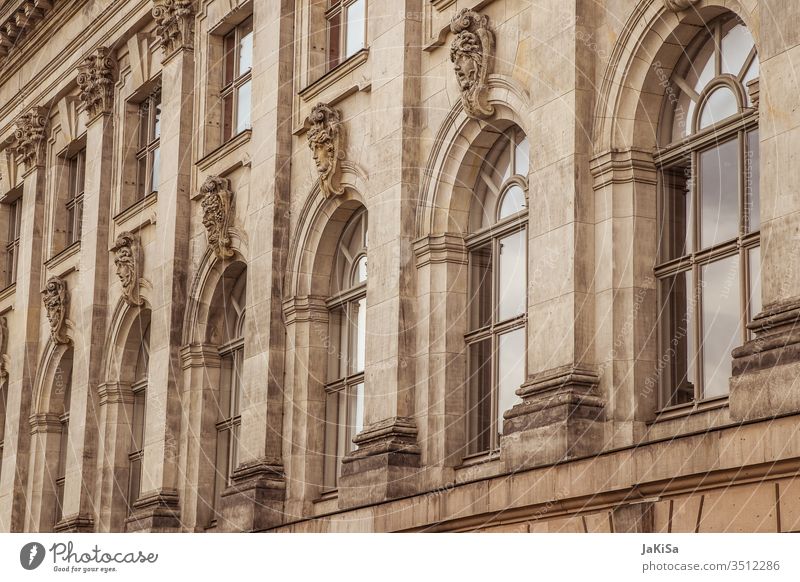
(587, 448)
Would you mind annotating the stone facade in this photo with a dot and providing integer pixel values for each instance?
(133, 320)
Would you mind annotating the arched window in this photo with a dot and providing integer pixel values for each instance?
(139, 388)
(231, 352)
(344, 388)
(709, 262)
(496, 337)
(62, 389)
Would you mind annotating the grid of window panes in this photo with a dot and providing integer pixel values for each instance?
(136, 449)
(63, 382)
(709, 271)
(3, 401)
(76, 187)
(344, 390)
(347, 29)
(147, 155)
(12, 246)
(229, 418)
(237, 86)
(496, 340)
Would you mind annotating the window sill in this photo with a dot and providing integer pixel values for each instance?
(220, 152)
(691, 408)
(8, 292)
(127, 216)
(479, 459)
(63, 255)
(335, 74)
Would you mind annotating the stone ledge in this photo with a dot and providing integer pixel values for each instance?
(75, 524)
(156, 511)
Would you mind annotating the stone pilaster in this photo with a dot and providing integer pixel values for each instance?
(255, 500)
(201, 369)
(45, 432)
(170, 272)
(23, 350)
(766, 368)
(387, 453)
(560, 398)
(88, 309)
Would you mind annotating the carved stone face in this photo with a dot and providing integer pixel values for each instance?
(323, 151)
(465, 54)
(124, 264)
(466, 70)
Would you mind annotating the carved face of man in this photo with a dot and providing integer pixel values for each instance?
(124, 263)
(323, 151)
(465, 54)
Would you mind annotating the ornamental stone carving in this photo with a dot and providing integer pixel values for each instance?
(325, 140)
(30, 136)
(126, 261)
(679, 5)
(3, 348)
(174, 23)
(55, 299)
(96, 81)
(218, 214)
(472, 53)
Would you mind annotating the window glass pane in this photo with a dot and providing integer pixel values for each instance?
(752, 73)
(720, 105)
(677, 338)
(752, 180)
(155, 170)
(676, 236)
(331, 429)
(137, 426)
(156, 118)
(510, 371)
(144, 123)
(134, 480)
(333, 345)
(334, 35)
(221, 465)
(479, 401)
(522, 157)
(360, 271)
(359, 416)
(355, 413)
(224, 395)
(512, 280)
(736, 46)
(481, 287)
(141, 177)
(754, 256)
(243, 107)
(233, 452)
(513, 201)
(719, 194)
(355, 27)
(359, 321)
(227, 116)
(238, 369)
(721, 331)
(702, 68)
(229, 46)
(246, 46)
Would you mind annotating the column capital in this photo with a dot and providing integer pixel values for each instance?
(30, 137)
(174, 24)
(45, 422)
(96, 82)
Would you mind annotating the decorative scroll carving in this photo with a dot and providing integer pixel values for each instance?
(126, 260)
(679, 5)
(174, 23)
(55, 299)
(30, 136)
(3, 348)
(472, 53)
(217, 214)
(96, 81)
(325, 140)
